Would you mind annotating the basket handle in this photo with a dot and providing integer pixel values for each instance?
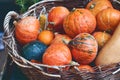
(8, 17)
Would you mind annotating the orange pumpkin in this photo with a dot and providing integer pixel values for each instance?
(56, 17)
(86, 68)
(102, 38)
(61, 38)
(57, 54)
(84, 48)
(95, 6)
(35, 61)
(46, 37)
(27, 29)
(79, 21)
(108, 19)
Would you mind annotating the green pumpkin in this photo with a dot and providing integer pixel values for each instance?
(34, 50)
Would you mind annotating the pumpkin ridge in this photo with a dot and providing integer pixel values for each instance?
(75, 20)
(78, 44)
(71, 30)
(80, 13)
(84, 51)
(74, 23)
(108, 22)
(86, 21)
(84, 17)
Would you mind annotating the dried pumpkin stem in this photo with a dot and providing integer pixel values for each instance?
(52, 23)
(73, 63)
(92, 6)
(73, 9)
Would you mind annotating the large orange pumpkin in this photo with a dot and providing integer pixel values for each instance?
(56, 17)
(95, 6)
(108, 19)
(79, 21)
(57, 54)
(84, 48)
(27, 29)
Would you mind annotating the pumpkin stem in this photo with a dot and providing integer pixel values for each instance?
(109, 31)
(73, 63)
(52, 23)
(73, 9)
(92, 6)
(15, 23)
(71, 43)
(65, 41)
(16, 20)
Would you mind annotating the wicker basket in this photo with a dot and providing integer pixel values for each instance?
(39, 71)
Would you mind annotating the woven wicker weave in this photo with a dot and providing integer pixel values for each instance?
(39, 71)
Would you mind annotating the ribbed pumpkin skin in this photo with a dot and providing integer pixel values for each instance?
(57, 54)
(84, 48)
(34, 50)
(102, 38)
(56, 16)
(108, 19)
(61, 38)
(27, 29)
(79, 21)
(95, 6)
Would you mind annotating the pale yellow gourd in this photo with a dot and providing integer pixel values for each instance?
(110, 53)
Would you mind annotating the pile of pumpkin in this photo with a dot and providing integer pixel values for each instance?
(85, 35)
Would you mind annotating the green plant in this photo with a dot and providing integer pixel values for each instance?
(24, 4)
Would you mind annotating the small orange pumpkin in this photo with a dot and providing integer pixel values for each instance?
(108, 19)
(79, 21)
(46, 36)
(102, 38)
(86, 68)
(95, 6)
(56, 17)
(27, 29)
(57, 54)
(84, 48)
